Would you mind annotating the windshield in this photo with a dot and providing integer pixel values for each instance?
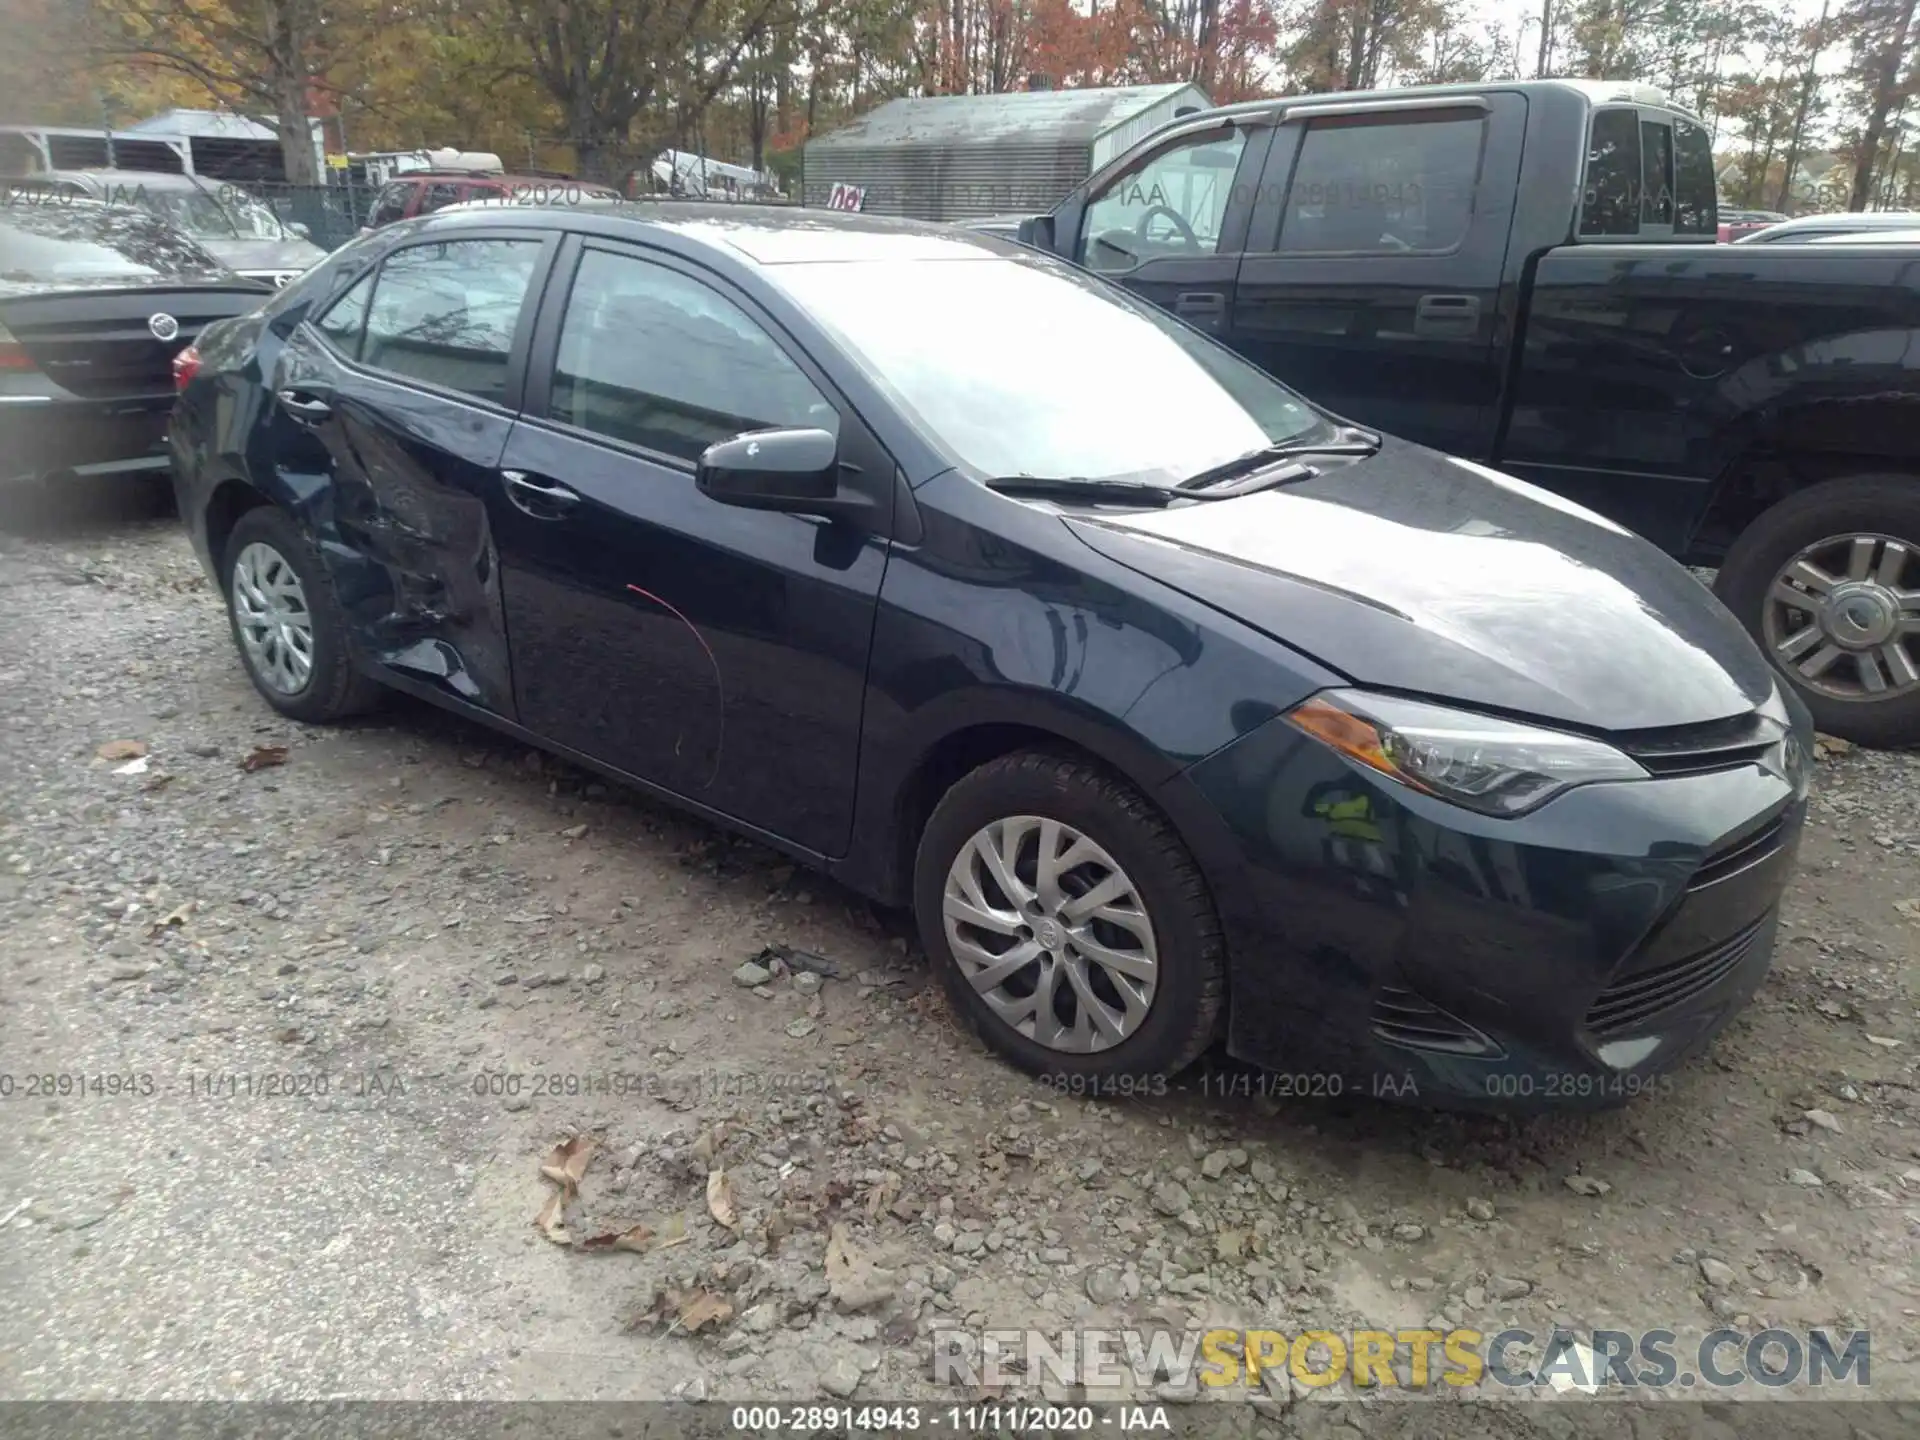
(84, 241)
(202, 216)
(1023, 367)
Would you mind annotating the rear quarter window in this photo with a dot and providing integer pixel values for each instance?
(1610, 197)
(1695, 193)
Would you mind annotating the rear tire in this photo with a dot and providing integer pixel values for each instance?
(1834, 645)
(287, 623)
(1137, 978)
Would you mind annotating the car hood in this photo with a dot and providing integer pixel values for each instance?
(1416, 572)
(293, 254)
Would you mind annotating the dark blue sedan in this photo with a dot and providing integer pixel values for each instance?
(1177, 709)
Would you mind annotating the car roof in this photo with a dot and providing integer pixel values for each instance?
(757, 234)
(1849, 220)
(1878, 235)
(152, 179)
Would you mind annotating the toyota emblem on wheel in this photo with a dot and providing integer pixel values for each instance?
(163, 326)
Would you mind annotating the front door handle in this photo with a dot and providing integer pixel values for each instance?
(304, 405)
(541, 498)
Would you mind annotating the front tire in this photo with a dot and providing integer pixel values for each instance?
(1828, 584)
(1068, 922)
(287, 623)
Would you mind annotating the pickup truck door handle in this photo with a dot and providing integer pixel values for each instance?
(303, 405)
(1447, 316)
(534, 495)
(1200, 305)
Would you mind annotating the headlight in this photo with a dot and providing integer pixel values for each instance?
(1498, 767)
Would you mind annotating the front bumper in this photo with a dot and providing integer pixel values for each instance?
(44, 434)
(1386, 943)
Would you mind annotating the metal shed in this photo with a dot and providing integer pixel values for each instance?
(963, 157)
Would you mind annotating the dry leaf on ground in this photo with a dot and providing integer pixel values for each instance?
(552, 1219)
(263, 756)
(638, 1238)
(566, 1163)
(122, 750)
(720, 1199)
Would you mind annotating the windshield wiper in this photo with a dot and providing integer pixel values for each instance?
(1348, 440)
(1113, 492)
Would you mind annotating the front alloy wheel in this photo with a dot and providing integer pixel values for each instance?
(1068, 923)
(1051, 933)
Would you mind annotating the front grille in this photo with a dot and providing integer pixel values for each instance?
(1401, 1017)
(1641, 995)
(1696, 749)
(1741, 855)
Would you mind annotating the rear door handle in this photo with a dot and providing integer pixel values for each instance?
(304, 405)
(1200, 305)
(541, 498)
(1447, 316)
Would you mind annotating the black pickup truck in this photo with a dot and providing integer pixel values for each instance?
(1526, 274)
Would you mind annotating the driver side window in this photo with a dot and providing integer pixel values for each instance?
(1172, 205)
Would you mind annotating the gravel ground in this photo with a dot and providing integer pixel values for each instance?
(478, 953)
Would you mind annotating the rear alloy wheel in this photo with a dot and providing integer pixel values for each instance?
(1844, 614)
(287, 625)
(1068, 922)
(1828, 583)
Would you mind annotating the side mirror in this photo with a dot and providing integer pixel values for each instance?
(1037, 232)
(299, 227)
(793, 470)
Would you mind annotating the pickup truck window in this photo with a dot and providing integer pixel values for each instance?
(1172, 205)
(1656, 184)
(1695, 195)
(1384, 183)
(1610, 203)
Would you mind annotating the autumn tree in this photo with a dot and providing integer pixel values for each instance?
(272, 57)
(1883, 77)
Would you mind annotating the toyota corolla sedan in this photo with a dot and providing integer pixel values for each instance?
(1177, 709)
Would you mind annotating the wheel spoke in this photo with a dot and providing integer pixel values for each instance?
(1860, 557)
(1798, 643)
(1900, 664)
(1138, 967)
(1794, 598)
(1871, 678)
(1893, 564)
(1093, 1013)
(1810, 576)
(975, 913)
(1103, 893)
(995, 973)
(1820, 661)
(999, 866)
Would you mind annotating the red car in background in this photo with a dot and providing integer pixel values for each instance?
(1736, 223)
(421, 192)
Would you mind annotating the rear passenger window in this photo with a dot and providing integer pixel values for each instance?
(436, 196)
(1384, 183)
(1696, 207)
(656, 358)
(1610, 204)
(446, 313)
(346, 318)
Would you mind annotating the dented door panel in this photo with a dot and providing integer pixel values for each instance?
(398, 514)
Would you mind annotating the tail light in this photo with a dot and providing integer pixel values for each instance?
(13, 355)
(186, 365)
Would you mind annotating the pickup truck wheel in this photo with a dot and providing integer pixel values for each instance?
(1068, 923)
(1828, 582)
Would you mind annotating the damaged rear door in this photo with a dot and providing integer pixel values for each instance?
(409, 381)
